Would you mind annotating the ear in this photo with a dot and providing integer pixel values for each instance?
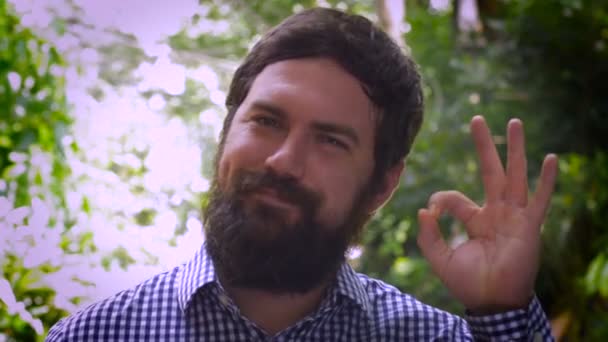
(390, 182)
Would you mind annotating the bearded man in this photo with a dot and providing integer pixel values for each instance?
(321, 115)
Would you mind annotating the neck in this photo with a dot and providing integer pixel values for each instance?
(275, 312)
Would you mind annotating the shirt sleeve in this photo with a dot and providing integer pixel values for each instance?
(528, 324)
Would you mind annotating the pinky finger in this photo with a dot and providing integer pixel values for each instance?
(544, 189)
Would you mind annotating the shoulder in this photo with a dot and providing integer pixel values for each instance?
(113, 314)
(386, 297)
(391, 310)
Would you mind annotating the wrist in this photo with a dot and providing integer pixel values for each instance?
(495, 308)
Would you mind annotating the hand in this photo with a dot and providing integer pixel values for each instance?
(495, 269)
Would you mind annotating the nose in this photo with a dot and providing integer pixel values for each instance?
(288, 159)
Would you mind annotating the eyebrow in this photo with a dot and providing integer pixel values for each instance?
(270, 108)
(326, 127)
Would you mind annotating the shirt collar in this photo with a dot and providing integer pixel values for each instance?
(199, 272)
(350, 286)
(195, 274)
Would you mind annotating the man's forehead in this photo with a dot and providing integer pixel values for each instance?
(321, 81)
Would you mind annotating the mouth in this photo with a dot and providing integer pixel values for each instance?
(272, 197)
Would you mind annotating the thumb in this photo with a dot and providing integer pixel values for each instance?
(431, 242)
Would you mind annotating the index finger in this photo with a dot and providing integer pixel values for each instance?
(492, 171)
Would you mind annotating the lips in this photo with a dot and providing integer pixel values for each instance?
(272, 197)
(276, 194)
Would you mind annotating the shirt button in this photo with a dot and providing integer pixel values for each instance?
(538, 337)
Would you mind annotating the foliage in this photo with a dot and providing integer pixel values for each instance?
(32, 123)
(34, 111)
(562, 64)
(577, 285)
(542, 61)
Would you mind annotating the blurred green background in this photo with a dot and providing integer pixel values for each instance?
(110, 113)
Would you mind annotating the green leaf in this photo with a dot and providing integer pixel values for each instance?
(86, 205)
(593, 276)
(59, 25)
(5, 141)
(145, 217)
(603, 281)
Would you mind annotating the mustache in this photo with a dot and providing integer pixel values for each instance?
(286, 188)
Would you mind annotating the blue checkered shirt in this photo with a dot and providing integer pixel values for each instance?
(188, 304)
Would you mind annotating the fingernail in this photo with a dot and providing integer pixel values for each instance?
(434, 209)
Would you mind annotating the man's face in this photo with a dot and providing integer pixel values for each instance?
(291, 186)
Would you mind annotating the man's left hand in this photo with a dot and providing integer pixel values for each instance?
(496, 268)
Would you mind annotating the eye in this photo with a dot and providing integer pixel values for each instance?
(266, 121)
(332, 141)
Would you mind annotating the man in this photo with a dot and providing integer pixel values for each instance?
(321, 115)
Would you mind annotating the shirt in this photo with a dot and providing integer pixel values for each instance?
(189, 304)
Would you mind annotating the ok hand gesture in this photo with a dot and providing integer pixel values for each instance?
(495, 269)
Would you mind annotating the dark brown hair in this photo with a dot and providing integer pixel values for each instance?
(387, 75)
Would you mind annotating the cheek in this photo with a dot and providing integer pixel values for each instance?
(240, 152)
(231, 156)
(340, 192)
(341, 182)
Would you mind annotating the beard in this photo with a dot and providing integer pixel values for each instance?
(254, 245)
